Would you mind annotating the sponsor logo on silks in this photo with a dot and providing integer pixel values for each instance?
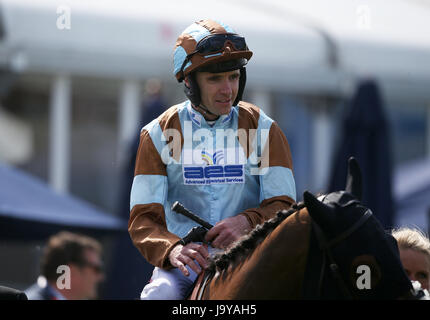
(197, 119)
(213, 170)
(215, 159)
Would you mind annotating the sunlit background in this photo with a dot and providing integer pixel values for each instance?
(74, 81)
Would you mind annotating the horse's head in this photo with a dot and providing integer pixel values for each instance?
(356, 257)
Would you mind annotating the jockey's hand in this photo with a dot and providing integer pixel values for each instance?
(226, 231)
(180, 256)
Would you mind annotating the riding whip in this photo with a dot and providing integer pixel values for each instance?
(179, 208)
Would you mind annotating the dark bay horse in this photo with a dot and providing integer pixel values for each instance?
(326, 248)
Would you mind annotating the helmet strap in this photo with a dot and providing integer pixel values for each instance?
(192, 91)
(206, 111)
(242, 82)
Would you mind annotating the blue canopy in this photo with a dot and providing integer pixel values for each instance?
(29, 208)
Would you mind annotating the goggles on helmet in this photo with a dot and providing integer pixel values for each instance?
(213, 44)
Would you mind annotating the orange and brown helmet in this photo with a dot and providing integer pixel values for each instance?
(205, 43)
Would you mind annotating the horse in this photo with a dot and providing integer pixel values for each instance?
(326, 247)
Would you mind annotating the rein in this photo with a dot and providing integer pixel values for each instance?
(326, 247)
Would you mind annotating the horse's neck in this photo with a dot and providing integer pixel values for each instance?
(275, 269)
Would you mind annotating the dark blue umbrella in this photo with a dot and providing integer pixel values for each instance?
(365, 136)
(32, 210)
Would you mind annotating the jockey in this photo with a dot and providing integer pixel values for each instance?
(222, 158)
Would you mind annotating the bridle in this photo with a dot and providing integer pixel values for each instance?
(326, 247)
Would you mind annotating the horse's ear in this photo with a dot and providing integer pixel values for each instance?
(353, 180)
(320, 212)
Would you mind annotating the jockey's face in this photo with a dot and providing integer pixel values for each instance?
(218, 90)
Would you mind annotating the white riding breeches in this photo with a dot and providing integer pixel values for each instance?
(168, 285)
(171, 284)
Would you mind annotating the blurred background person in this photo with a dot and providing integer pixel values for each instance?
(130, 271)
(152, 106)
(71, 269)
(414, 247)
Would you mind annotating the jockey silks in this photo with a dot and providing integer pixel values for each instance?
(241, 164)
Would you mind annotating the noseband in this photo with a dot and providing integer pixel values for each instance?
(326, 247)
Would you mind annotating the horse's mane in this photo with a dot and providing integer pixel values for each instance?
(248, 243)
